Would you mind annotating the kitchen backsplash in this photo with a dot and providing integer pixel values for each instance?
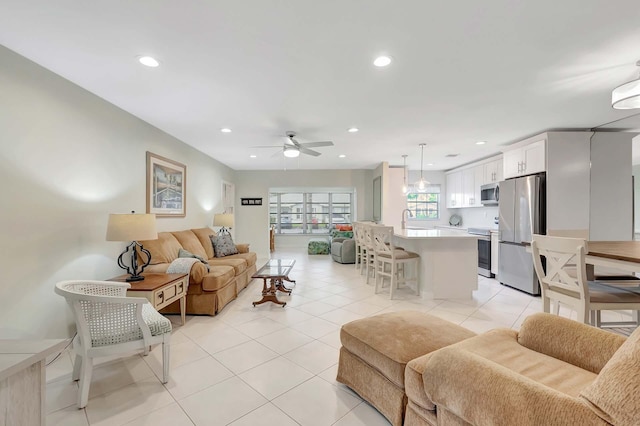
(482, 217)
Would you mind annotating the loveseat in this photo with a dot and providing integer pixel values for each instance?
(554, 371)
(209, 290)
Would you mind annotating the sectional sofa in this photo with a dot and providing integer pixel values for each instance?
(209, 290)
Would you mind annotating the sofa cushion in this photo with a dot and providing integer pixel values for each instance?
(189, 241)
(223, 245)
(203, 235)
(388, 341)
(164, 249)
(615, 394)
(238, 264)
(500, 346)
(218, 277)
(249, 257)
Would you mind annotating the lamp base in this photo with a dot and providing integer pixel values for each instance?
(133, 278)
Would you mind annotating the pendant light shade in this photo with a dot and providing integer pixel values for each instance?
(627, 96)
(405, 187)
(421, 185)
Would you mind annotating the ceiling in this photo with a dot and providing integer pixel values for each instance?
(462, 72)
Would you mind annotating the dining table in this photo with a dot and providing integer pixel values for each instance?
(623, 255)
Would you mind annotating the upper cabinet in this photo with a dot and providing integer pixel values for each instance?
(454, 190)
(525, 159)
(493, 171)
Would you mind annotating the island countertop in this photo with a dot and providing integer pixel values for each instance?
(433, 233)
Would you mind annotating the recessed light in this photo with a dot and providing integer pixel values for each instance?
(382, 61)
(341, 156)
(429, 164)
(481, 142)
(148, 61)
(225, 130)
(253, 156)
(352, 129)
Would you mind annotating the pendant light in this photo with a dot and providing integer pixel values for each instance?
(421, 185)
(627, 96)
(405, 187)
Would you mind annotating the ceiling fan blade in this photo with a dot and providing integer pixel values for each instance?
(278, 153)
(308, 151)
(266, 146)
(315, 144)
(291, 141)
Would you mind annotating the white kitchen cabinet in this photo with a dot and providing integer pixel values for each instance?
(472, 180)
(493, 172)
(454, 190)
(495, 246)
(525, 160)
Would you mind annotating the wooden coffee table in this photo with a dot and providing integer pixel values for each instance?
(276, 271)
(160, 289)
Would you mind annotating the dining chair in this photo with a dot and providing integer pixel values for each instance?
(109, 323)
(599, 273)
(560, 286)
(391, 262)
(358, 238)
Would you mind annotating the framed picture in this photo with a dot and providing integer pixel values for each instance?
(166, 186)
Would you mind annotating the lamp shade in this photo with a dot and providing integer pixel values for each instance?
(224, 219)
(131, 227)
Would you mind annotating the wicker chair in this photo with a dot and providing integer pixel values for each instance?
(109, 323)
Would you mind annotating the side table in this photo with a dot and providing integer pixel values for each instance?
(160, 289)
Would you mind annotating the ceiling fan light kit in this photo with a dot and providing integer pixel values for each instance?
(291, 151)
(627, 96)
(421, 185)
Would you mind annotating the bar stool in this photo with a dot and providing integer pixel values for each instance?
(386, 254)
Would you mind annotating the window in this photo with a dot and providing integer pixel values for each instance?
(309, 212)
(425, 205)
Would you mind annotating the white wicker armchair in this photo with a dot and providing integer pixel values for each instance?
(109, 323)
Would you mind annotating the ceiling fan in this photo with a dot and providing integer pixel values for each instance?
(292, 148)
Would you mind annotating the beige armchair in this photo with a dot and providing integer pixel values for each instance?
(554, 371)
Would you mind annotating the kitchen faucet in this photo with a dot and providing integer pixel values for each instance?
(403, 221)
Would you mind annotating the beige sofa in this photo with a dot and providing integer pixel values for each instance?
(209, 291)
(554, 371)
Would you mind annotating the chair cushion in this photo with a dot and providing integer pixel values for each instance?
(129, 332)
(238, 264)
(615, 394)
(249, 257)
(399, 254)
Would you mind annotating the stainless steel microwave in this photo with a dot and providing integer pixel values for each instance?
(490, 194)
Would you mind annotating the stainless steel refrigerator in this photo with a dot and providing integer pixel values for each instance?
(522, 213)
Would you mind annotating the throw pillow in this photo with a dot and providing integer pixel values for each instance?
(185, 253)
(223, 245)
(610, 395)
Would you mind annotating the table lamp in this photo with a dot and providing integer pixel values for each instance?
(224, 220)
(132, 227)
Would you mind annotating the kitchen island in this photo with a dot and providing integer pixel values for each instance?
(448, 261)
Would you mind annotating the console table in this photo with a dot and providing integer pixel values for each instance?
(22, 380)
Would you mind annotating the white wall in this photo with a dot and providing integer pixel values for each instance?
(67, 160)
(568, 180)
(255, 219)
(611, 207)
(478, 217)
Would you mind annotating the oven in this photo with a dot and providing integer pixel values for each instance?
(484, 250)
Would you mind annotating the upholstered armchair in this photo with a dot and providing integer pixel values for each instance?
(343, 247)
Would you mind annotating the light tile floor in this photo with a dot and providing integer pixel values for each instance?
(266, 365)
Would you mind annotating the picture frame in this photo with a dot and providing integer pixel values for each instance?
(166, 186)
(251, 201)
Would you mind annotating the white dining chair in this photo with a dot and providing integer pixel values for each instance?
(564, 281)
(109, 323)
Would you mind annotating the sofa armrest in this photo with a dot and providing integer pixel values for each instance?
(339, 240)
(579, 344)
(482, 392)
(242, 248)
